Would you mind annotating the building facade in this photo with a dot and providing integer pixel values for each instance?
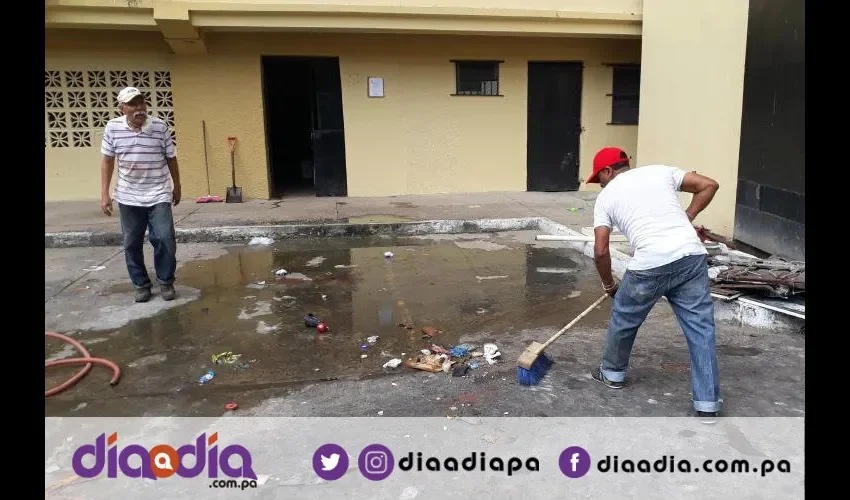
(378, 98)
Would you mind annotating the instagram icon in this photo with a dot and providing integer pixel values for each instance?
(376, 462)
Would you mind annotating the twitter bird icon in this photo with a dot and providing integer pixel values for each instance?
(330, 461)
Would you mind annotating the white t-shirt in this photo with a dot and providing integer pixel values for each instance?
(643, 203)
(144, 178)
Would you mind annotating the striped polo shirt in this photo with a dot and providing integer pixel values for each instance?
(143, 176)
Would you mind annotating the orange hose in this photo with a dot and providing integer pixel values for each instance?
(86, 359)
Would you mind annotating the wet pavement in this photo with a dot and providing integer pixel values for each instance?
(505, 289)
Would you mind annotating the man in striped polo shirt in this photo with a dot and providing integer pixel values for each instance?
(147, 165)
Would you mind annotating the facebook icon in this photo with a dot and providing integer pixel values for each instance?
(574, 462)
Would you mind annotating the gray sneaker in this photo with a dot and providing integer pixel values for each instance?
(143, 294)
(168, 292)
(599, 377)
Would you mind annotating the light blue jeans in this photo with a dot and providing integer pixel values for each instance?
(685, 284)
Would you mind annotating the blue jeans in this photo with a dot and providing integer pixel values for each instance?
(159, 222)
(686, 286)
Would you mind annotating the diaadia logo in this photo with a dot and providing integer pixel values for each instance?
(162, 460)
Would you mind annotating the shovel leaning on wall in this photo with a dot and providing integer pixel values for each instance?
(234, 194)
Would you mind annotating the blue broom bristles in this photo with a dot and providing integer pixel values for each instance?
(536, 373)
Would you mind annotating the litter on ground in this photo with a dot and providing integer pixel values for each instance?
(225, 358)
(260, 240)
(297, 277)
(311, 321)
(458, 360)
(430, 331)
(483, 278)
(393, 363)
(205, 378)
(427, 362)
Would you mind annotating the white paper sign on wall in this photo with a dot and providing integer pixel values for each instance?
(376, 86)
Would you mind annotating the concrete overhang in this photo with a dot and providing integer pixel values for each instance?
(184, 22)
(176, 25)
(473, 21)
(99, 14)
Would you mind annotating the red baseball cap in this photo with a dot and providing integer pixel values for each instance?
(604, 158)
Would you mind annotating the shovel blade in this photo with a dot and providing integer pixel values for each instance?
(234, 195)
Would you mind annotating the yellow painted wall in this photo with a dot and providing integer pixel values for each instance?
(74, 173)
(564, 5)
(692, 73)
(417, 139)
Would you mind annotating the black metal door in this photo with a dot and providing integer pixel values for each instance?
(554, 125)
(328, 135)
(770, 213)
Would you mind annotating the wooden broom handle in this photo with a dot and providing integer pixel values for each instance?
(571, 323)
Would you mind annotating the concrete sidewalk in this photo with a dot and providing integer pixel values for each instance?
(85, 217)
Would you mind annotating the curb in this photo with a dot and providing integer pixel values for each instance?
(239, 234)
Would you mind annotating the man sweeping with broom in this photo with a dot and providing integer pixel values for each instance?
(669, 261)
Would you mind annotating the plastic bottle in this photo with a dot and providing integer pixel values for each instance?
(207, 377)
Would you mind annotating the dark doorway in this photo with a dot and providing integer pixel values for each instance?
(304, 126)
(554, 125)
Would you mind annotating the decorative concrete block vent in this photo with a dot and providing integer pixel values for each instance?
(78, 103)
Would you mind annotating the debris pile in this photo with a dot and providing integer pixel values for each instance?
(773, 282)
(457, 360)
(734, 275)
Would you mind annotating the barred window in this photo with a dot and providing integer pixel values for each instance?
(479, 78)
(625, 95)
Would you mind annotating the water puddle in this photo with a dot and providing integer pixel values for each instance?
(468, 292)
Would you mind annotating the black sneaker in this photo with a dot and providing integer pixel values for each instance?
(143, 294)
(168, 292)
(599, 377)
(707, 417)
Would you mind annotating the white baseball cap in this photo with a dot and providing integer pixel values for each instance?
(128, 94)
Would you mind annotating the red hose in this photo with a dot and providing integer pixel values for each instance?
(86, 359)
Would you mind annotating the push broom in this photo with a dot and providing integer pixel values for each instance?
(533, 364)
(208, 198)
